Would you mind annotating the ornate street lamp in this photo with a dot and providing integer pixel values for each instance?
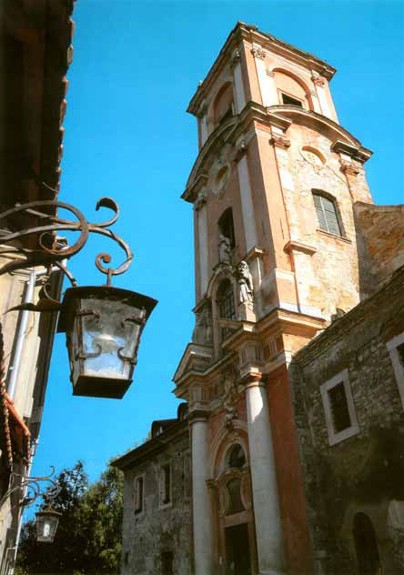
(46, 522)
(47, 519)
(103, 324)
(103, 327)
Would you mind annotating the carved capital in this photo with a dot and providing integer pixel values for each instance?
(317, 79)
(241, 150)
(200, 201)
(258, 52)
(202, 111)
(235, 57)
(280, 141)
(349, 168)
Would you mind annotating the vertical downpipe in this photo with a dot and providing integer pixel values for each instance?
(19, 346)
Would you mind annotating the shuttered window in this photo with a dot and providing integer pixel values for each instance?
(326, 214)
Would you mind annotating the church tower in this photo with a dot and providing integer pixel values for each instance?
(276, 259)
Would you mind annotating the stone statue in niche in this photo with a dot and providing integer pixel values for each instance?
(203, 327)
(245, 282)
(224, 249)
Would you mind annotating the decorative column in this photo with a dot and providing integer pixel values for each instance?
(263, 477)
(201, 505)
(247, 206)
(238, 82)
(319, 82)
(201, 225)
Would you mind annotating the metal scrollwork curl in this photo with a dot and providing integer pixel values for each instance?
(49, 249)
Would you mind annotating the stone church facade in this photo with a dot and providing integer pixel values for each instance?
(287, 242)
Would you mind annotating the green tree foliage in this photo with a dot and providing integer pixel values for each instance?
(88, 539)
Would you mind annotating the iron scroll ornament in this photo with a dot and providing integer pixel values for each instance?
(51, 249)
(31, 488)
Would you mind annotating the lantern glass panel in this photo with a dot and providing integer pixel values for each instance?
(109, 338)
(46, 525)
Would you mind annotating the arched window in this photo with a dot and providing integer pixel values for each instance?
(367, 553)
(225, 299)
(291, 92)
(223, 104)
(225, 302)
(236, 457)
(226, 226)
(327, 213)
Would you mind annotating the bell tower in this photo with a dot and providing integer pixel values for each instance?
(276, 259)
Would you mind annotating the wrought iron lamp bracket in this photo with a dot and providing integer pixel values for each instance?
(51, 250)
(30, 487)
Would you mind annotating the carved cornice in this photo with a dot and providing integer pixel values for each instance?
(192, 191)
(358, 153)
(244, 34)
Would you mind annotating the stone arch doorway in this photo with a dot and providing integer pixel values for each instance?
(235, 525)
(367, 553)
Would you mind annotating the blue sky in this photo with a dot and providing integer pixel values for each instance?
(127, 135)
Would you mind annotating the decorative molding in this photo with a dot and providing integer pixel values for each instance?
(202, 111)
(241, 151)
(200, 201)
(258, 52)
(271, 73)
(356, 153)
(317, 79)
(349, 168)
(294, 245)
(280, 141)
(235, 57)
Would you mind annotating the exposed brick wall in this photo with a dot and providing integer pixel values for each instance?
(380, 231)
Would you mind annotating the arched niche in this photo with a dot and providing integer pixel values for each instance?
(291, 89)
(223, 103)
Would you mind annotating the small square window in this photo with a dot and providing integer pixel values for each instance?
(289, 100)
(396, 350)
(339, 408)
(139, 494)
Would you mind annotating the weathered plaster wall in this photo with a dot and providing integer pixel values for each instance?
(158, 528)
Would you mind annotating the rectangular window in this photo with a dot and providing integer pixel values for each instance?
(165, 484)
(395, 348)
(139, 494)
(339, 408)
(326, 214)
(289, 100)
